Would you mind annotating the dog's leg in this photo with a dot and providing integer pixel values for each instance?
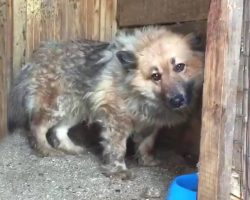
(38, 139)
(59, 139)
(145, 150)
(114, 143)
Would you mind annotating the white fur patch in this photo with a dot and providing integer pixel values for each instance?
(65, 141)
(30, 104)
(120, 164)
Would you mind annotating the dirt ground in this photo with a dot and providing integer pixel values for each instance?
(24, 175)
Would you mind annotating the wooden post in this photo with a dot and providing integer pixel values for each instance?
(246, 102)
(219, 98)
(5, 59)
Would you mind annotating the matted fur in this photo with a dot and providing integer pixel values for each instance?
(64, 84)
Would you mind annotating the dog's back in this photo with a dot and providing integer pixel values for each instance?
(52, 65)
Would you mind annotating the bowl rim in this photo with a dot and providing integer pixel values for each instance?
(178, 178)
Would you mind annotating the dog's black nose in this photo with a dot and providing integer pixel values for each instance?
(177, 101)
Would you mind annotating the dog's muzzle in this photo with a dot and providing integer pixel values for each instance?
(178, 101)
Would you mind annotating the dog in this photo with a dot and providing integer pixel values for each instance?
(134, 85)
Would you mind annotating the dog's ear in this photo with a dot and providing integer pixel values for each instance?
(195, 40)
(127, 59)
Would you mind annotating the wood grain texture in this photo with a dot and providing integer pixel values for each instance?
(145, 12)
(103, 20)
(246, 102)
(96, 20)
(5, 59)
(219, 98)
(240, 166)
(19, 35)
(42, 20)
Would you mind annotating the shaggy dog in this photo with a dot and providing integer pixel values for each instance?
(134, 85)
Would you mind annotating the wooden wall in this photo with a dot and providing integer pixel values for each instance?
(40, 20)
(5, 59)
(25, 23)
(242, 134)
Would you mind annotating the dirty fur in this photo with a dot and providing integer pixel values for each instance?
(113, 84)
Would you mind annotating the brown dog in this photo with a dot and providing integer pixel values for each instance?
(133, 85)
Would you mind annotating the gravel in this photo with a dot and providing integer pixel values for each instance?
(23, 176)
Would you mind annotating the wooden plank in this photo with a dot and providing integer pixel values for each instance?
(29, 28)
(114, 18)
(90, 19)
(73, 19)
(219, 98)
(145, 12)
(5, 59)
(70, 19)
(96, 20)
(9, 44)
(246, 102)
(19, 35)
(80, 29)
(36, 23)
(103, 21)
(111, 25)
(108, 23)
(2, 70)
(237, 165)
(108, 20)
(57, 21)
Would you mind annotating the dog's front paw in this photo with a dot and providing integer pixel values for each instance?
(148, 161)
(117, 172)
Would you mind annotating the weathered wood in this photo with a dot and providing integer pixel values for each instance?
(90, 18)
(110, 26)
(2, 70)
(9, 44)
(42, 20)
(5, 59)
(96, 20)
(19, 35)
(246, 102)
(219, 98)
(103, 20)
(240, 174)
(113, 11)
(145, 12)
(238, 144)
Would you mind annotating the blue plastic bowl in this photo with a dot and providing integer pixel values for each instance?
(184, 187)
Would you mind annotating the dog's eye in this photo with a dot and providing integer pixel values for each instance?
(156, 76)
(179, 67)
